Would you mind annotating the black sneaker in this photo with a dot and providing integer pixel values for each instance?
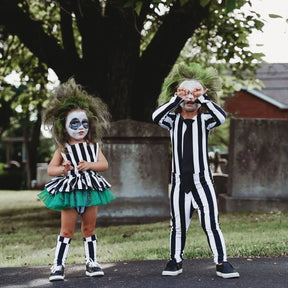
(57, 273)
(93, 269)
(172, 268)
(226, 270)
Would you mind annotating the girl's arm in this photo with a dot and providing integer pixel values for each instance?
(57, 167)
(100, 166)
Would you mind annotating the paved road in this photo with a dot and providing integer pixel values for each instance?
(254, 273)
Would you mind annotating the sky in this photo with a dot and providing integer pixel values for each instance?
(275, 31)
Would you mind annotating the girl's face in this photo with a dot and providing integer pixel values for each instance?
(77, 124)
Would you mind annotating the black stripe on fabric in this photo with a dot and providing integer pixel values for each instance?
(93, 237)
(75, 155)
(90, 153)
(61, 251)
(200, 143)
(180, 142)
(91, 250)
(83, 154)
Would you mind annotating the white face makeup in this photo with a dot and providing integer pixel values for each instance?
(77, 124)
(190, 85)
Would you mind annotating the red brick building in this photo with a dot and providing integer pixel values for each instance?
(270, 102)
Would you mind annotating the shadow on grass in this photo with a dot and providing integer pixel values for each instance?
(30, 218)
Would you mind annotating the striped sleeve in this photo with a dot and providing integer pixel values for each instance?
(163, 116)
(216, 115)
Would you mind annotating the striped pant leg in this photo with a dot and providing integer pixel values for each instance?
(181, 213)
(205, 197)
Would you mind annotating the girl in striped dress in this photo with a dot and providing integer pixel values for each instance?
(189, 115)
(76, 120)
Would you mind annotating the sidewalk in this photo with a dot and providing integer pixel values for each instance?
(254, 273)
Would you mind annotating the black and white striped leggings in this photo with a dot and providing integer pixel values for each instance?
(201, 197)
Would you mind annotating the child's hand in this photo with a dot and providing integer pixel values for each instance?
(83, 165)
(181, 92)
(188, 95)
(67, 165)
(197, 92)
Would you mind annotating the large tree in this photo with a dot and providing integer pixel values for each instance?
(122, 50)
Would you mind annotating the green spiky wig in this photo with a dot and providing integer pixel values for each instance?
(70, 96)
(208, 77)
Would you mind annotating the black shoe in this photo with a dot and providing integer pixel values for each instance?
(226, 270)
(172, 268)
(93, 269)
(57, 273)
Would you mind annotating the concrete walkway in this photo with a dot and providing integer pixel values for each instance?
(254, 273)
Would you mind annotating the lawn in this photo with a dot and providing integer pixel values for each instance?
(28, 232)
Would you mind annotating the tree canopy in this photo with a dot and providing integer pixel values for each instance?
(120, 50)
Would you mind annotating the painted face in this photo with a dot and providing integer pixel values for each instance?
(77, 124)
(190, 85)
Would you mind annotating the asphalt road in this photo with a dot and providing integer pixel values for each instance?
(254, 273)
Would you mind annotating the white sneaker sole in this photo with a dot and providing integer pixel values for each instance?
(99, 273)
(172, 273)
(228, 275)
(56, 278)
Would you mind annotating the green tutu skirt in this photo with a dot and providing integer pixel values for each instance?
(75, 199)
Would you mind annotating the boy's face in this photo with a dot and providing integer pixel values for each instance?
(189, 105)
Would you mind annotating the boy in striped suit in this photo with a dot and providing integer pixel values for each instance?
(189, 115)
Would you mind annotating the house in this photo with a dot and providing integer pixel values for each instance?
(258, 155)
(271, 102)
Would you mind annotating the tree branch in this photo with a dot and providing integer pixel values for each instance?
(31, 33)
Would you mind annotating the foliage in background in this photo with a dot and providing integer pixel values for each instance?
(112, 46)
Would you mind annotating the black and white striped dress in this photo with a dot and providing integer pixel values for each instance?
(79, 180)
(191, 183)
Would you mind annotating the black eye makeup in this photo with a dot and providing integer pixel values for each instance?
(75, 124)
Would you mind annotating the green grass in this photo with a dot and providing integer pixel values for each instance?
(28, 232)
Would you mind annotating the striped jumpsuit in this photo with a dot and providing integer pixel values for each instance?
(192, 183)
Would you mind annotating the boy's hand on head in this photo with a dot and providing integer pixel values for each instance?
(188, 95)
(197, 92)
(181, 92)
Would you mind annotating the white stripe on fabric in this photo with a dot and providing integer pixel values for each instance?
(195, 148)
(178, 236)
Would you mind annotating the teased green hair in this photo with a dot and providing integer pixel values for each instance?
(208, 77)
(70, 96)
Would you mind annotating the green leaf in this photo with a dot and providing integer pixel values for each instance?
(138, 7)
(230, 5)
(275, 16)
(204, 3)
(183, 2)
